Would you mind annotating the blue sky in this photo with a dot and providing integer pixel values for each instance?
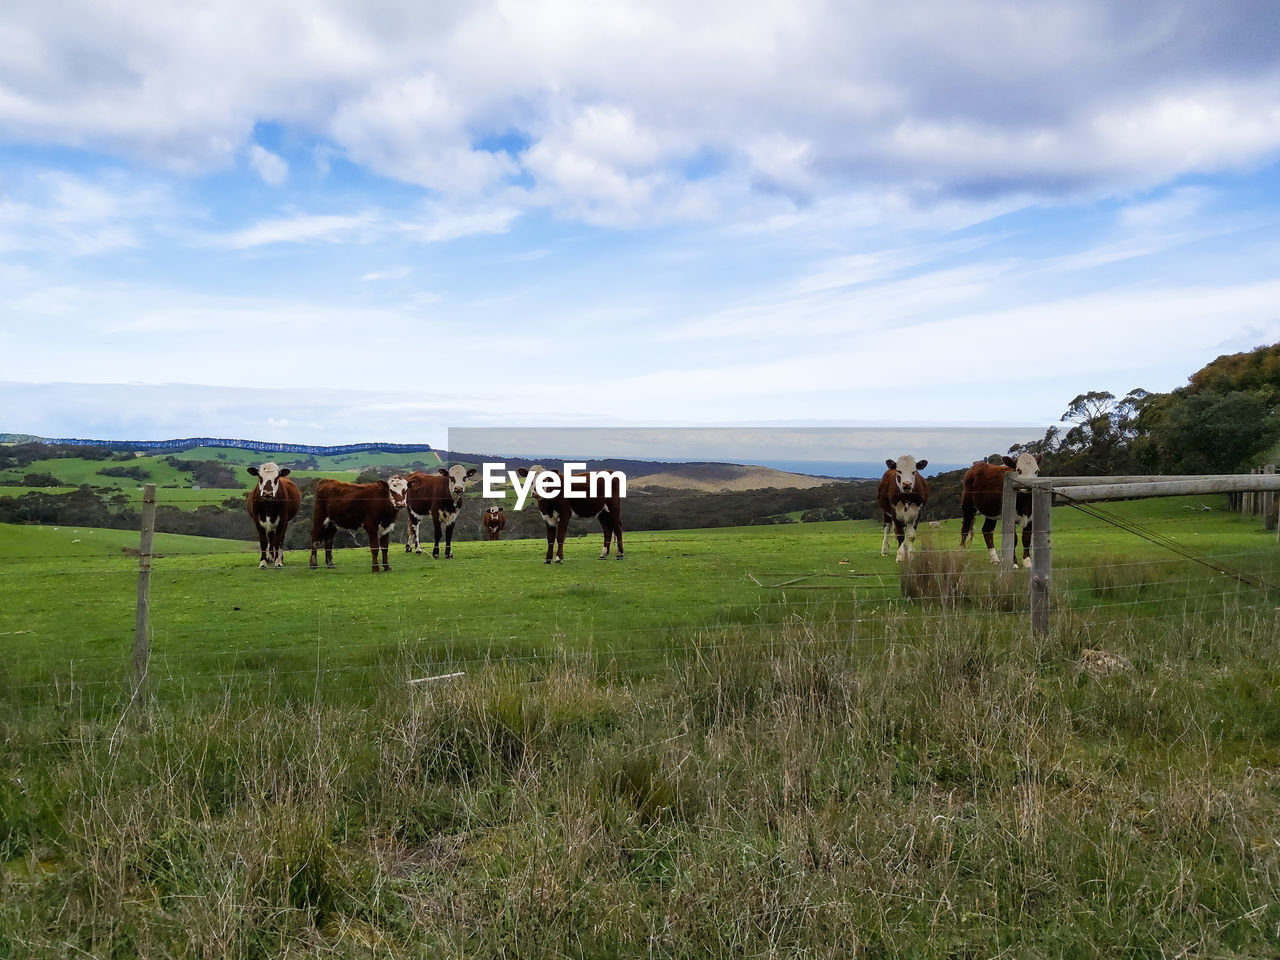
(332, 222)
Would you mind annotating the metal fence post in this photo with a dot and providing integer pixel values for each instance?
(1041, 558)
(141, 629)
(1008, 522)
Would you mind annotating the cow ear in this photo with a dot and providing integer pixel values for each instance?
(521, 472)
(1009, 462)
(253, 471)
(1039, 457)
(284, 472)
(443, 472)
(921, 464)
(472, 472)
(892, 465)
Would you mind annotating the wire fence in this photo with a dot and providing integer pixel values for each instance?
(218, 623)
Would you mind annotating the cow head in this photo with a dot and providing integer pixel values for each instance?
(397, 487)
(495, 511)
(906, 467)
(458, 477)
(268, 475)
(1026, 465)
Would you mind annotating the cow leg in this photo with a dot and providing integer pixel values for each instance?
(967, 514)
(1025, 524)
(606, 524)
(263, 546)
(884, 544)
(384, 539)
(278, 544)
(435, 523)
(329, 535)
(448, 539)
(617, 531)
(988, 527)
(372, 532)
(317, 529)
(412, 532)
(562, 529)
(900, 531)
(551, 540)
(909, 528)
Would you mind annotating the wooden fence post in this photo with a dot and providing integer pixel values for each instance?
(141, 628)
(1269, 502)
(1008, 523)
(1041, 558)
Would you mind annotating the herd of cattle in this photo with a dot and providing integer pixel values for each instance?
(274, 501)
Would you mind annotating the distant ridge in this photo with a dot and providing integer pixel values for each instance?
(259, 445)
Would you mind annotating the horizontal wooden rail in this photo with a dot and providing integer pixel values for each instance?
(1116, 488)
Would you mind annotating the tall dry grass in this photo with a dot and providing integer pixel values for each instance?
(948, 787)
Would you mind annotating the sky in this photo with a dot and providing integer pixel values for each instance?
(329, 222)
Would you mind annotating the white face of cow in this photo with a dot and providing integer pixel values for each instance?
(268, 475)
(458, 477)
(399, 486)
(494, 511)
(905, 468)
(1026, 466)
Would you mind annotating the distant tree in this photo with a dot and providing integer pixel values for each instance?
(131, 473)
(1210, 433)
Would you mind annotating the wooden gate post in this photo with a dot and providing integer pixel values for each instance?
(1008, 523)
(141, 627)
(1041, 558)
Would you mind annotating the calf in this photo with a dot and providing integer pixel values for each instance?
(902, 495)
(983, 492)
(557, 510)
(438, 496)
(272, 503)
(372, 506)
(495, 521)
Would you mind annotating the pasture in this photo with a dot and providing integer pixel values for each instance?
(740, 740)
(176, 484)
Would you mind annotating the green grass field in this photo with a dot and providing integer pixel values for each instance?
(740, 742)
(70, 593)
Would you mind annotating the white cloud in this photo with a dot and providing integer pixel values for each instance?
(610, 105)
(302, 228)
(64, 213)
(271, 167)
(393, 273)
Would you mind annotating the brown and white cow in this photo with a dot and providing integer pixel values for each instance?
(606, 504)
(495, 521)
(902, 495)
(438, 496)
(272, 503)
(982, 492)
(371, 506)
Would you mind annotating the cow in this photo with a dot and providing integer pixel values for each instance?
(902, 495)
(983, 491)
(438, 496)
(372, 506)
(495, 521)
(272, 502)
(557, 510)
